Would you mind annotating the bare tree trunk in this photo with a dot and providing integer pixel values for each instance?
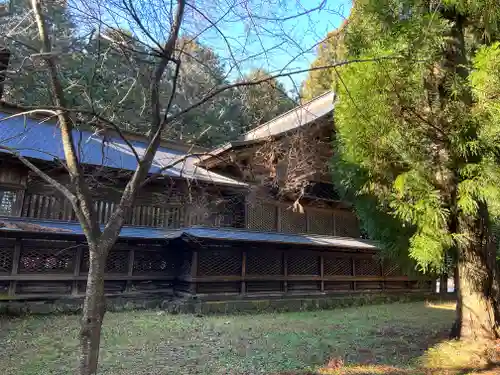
(93, 312)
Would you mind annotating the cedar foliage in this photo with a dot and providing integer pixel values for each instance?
(418, 131)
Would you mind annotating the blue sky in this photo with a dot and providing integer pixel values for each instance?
(274, 35)
(290, 43)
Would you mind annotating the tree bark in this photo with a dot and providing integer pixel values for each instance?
(93, 312)
(478, 297)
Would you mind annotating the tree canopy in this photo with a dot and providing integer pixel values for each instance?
(418, 130)
(108, 70)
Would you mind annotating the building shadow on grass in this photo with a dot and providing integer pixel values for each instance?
(400, 349)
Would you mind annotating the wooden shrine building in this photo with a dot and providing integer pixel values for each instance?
(258, 216)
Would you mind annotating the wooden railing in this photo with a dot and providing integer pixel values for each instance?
(49, 207)
(264, 216)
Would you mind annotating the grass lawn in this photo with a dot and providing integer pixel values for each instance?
(151, 342)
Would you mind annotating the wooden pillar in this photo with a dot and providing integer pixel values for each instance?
(382, 275)
(353, 264)
(243, 289)
(285, 271)
(443, 284)
(322, 272)
(130, 271)
(15, 267)
(76, 269)
(194, 271)
(278, 218)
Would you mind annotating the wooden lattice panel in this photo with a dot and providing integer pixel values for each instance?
(392, 269)
(261, 262)
(116, 262)
(366, 267)
(303, 264)
(6, 256)
(293, 222)
(337, 266)
(320, 222)
(219, 262)
(186, 262)
(346, 224)
(46, 260)
(262, 217)
(151, 262)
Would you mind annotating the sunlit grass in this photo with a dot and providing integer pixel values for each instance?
(441, 305)
(388, 336)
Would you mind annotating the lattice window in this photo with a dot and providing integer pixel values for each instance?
(186, 263)
(8, 200)
(261, 262)
(337, 266)
(116, 262)
(219, 262)
(346, 224)
(46, 260)
(392, 269)
(320, 222)
(303, 264)
(367, 267)
(6, 255)
(293, 222)
(262, 216)
(147, 262)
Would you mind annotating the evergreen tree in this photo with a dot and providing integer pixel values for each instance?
(18, 33)
(201, 71)
(418, 140)
(330, 51)
(262, 102)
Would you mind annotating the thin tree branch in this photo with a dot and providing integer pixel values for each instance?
(271, 77)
